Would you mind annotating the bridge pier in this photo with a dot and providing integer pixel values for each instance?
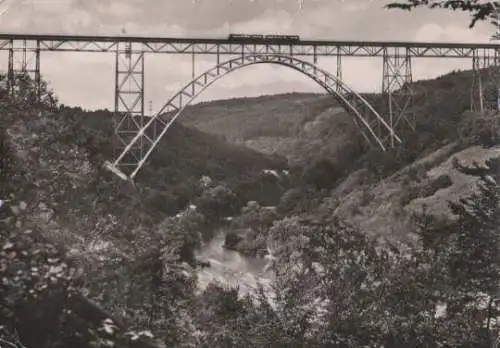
(480, 62)
(396, 88)
(129, 104)
(26, 67)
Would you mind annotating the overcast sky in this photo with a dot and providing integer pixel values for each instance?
(88, 79)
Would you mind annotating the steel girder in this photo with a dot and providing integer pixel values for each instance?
(375, 129)
(396, 88)
(225, 47)
(129, 103)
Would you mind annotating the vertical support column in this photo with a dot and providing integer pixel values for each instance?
(37, 72)
(117, 145)
(143, 104)
(10, 70)
(3, 74)
(315, 58)
(218, 59)
(476, 91)
(192, 69)
(496, 78)
(396, 88)
(339, 70)
(129, 104)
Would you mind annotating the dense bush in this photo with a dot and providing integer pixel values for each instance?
(36, 281)
(481, 129)
(323, 174)
(425, 189)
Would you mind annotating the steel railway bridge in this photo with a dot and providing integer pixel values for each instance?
(137, 134)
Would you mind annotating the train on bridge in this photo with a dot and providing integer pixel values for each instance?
(256, 38)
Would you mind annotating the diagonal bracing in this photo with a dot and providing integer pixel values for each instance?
(396, 88)
(129, 103)
(146, 138)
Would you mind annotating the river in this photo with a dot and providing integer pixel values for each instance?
(230, 268)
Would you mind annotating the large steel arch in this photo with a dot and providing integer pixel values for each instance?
(374, 128)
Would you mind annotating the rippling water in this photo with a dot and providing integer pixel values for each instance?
(229, 267)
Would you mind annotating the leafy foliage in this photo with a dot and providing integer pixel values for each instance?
(34, 281)
(215, 204)
(477, 240)
(251, 228)
(171, 177)
(480, 10)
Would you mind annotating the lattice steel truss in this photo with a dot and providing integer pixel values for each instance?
(376, 130)
(24, 61)
(482, 65)
(396, 88)
(226, 47)
(129, 104)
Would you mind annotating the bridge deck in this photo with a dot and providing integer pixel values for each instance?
(224, 46)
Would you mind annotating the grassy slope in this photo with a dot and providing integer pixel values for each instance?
(247, 118)
(384, 208)
(422, 174)
(290, 125)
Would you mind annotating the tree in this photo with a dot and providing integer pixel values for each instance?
(215, 204)
(330, 283)
(322, 173)
(479, 9)
(476, 258)
(463, 261)
(154, 288)
(35, 283)
(26, 96)
(254, 223)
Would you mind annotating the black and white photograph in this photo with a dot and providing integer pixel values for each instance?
(249, 174)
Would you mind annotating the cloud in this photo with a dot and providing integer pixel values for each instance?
(271, 21)
(119, 9)
(441, 32)
(436, 32)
